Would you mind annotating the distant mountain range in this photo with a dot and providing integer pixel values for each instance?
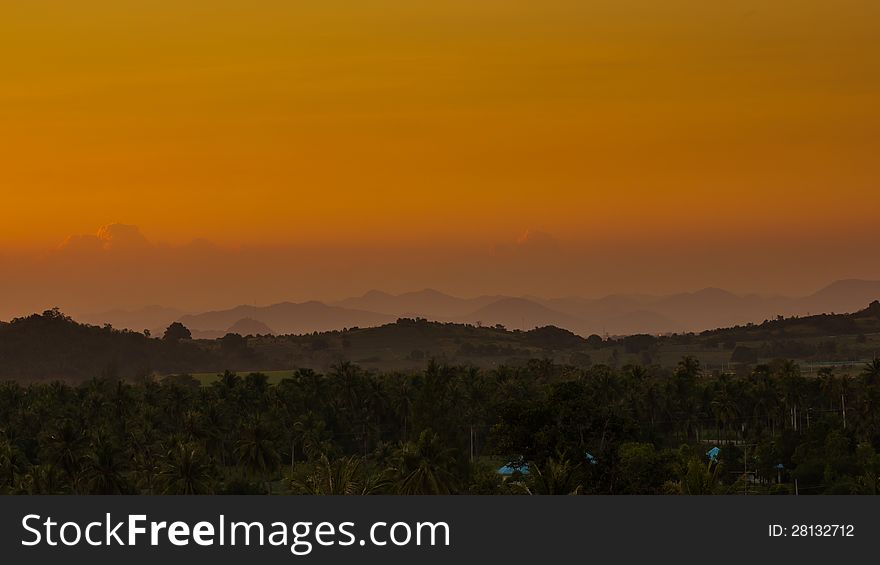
(619, 314)
(148, 317)
(286, 318)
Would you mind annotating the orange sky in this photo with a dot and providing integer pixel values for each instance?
(446, 125)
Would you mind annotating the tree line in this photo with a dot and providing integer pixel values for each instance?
(555, 429)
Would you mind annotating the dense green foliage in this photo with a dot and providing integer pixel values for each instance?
(447, 429)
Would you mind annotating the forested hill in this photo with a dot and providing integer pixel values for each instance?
(53, 346)
(863, 322)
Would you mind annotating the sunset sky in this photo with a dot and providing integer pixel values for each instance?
(317, 149)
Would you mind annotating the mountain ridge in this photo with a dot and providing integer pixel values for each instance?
(613, 314)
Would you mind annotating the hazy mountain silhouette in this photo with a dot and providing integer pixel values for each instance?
(149, 317)
(249, 326)
(522, 314)
(645, 320)
(615, 314)
(713, 307)
(245, 326)
(425, 303)
(840, 296)
(288, 318)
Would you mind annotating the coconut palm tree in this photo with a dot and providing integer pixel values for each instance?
(342, 476)
(402, 399)
(724, 407)
(423, 467)
(871, 372)
(828, 385)
(558, 476)
(43, 479)
(766, 405)
(185, 470)
(12, 462)
(64, 448)
(789, 374)
(147, 468)
(104, 467)
(256, 451)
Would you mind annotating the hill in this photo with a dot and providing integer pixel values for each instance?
(149, 317)
(53, 346)
(427, 303)
(840, 296)
(616, 314)
(522, 314)
(288, 318)
(249, 326)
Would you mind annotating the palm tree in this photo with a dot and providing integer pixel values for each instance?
(95, 402)
(342, 476)
(402, 400)
(347, 377)
(12, 462)
(43, 479)
(64, 448)
(475, 398)
(724, 408)
(792, 383)
(186, 470)
(256, 451)
(559, 476)
(700, 478)
(869, 403)
(229, 380)
(216, 435)
(828, 385)
(103, 466)
(844, 389)
(423, 467)
(651, 400)
(147, 467)
(689, 368)
(310, 431)
(191, 424)
(871, 372)
(766, 404)
(122, 402)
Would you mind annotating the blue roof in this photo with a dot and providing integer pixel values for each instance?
(512, 468)
(713, 453)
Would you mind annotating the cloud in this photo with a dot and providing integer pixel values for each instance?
(537, 241)
(122, 236)
(112, 237)
(82, 244)
(530, 243)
